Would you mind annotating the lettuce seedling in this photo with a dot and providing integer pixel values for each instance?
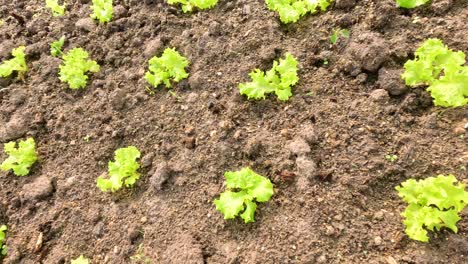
(337, 33)
(3, 248)
(432, 203)
(171, 65)
(291, 10)
(443, 70)
(122, 171)
(245, 187)
(189, 5)
(17, 63)
(411, 3)
(55, 7)
(279, 80)
(20, 158)
(103, 10)
(75, 65)
(56, 47)
(80, 260)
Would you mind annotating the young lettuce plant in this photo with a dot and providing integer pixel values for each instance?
(279, 80)
(122, 171)
(291, 10)
(411, 3)
(17, 63)
(103, 10)
(75, 65)
(80, 260)
(55, 7)
(443, 70)
(245, 187)
(20, 158)
(171, 65)
(3, 248)
(433, 203)
(56, 47)
(189, 5)
(337, 33)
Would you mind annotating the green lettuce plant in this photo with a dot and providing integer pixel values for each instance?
(20, 158)
(55, 7)
(411, 3)
(443, 70)
(103, 10)
(3, 248)
(80, 260)
(433, 203)
(17, 63)
(291, 11)
(170, 66)
(75, 66)
(189, 5)
(244, 189)
(56, 47)
(279, 80)
(121, 171)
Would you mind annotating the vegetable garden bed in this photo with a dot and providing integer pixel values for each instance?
(325, 117)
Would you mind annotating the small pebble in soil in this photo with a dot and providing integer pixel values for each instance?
(39, 189)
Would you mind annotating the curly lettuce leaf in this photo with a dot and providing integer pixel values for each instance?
(55, 7)
(17, 63)
(291, 11)
(20, 158)
(433, 203)
(80, 260)
(411, 3)
(189, 5)
(442, 69)
(170, 66)
(279, 80)
(251, 188)
(75, 66)
(122, 171)
(3, 248)
(103, 10)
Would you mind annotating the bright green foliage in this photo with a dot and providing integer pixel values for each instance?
(20, 158)
(123, 170)
(410, 3)
(337, 33)
(279, 80)
(3, 248)
(80, 260)
(432, 203)
(57, 10)
(56, 47)
(17, 63)
(443, 70)
(245, 187)
(75, 65)
(189, 5)
(291, 10)
(171, 65)
(103, 10)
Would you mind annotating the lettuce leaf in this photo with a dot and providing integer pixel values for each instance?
(251, 188)
(20, 158)
(279, 80)
(292, 10)
(17, 63)
(170, 66)
(433, 203)
(122, 171)
(75, 66)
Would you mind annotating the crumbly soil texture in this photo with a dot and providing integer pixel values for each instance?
(324, 149)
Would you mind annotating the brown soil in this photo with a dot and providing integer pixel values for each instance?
(324, 150)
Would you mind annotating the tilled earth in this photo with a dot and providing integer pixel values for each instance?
(324, 149)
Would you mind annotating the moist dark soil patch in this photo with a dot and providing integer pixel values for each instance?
(324, 150)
